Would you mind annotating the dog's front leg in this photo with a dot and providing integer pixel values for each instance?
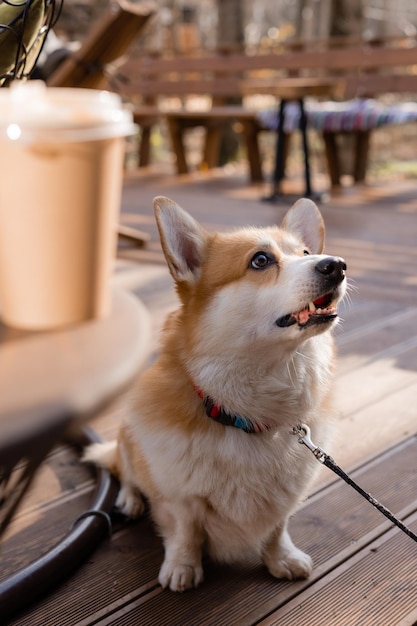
(183, 539)
(283, 559)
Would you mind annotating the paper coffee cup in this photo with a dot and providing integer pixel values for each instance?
(61, 163)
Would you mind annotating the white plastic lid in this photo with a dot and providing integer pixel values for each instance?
(30, 111)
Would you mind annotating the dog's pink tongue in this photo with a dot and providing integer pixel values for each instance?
(303, 316)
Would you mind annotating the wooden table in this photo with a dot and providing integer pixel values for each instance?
(51, 381)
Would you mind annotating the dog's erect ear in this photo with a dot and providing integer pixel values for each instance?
(183, 239)
(305, 220)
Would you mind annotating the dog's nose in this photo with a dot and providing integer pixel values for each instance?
(332, 267)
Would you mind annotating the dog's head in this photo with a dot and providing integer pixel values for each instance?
(253, 285)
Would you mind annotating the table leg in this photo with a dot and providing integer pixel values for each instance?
(303, 129)
(280, 153)
(332, 157)
(361, 155)
(21, 457)
(250, 132)
(177, 140)
(211, 147)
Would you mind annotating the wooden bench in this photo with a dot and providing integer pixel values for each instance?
(354, 69)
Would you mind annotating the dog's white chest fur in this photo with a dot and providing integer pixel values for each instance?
(237, 490)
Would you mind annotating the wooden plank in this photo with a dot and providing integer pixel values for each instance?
(381, 377)
(220, 113)
(374, 266)
(233, 85)
(386, 291)
(42, 533)
(180, 87)
(118, 585)
(123, 567)
(393, 332)
(383, 270)
(376, 377)
(107, 41)
(139, 237)
(365, 318)
(341, 58)
(371, 85)
(376, 586)
(366, 432)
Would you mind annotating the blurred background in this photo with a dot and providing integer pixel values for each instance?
(187, 27)
(258, 24)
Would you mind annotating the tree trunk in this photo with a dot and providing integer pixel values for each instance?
(347, 18)
(230, 29)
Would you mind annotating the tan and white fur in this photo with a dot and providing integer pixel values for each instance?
(247, 335)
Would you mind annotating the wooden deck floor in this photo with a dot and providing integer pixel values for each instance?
(364, 569)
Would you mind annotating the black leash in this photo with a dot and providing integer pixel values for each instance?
(303, 434)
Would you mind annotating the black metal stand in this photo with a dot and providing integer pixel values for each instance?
(88, 530)
(303, 128)
(279, 150)
(279, 154)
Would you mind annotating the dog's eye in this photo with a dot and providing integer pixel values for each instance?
(260, 260)
(306, 252)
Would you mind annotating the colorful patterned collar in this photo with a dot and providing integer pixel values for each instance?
(218, 414)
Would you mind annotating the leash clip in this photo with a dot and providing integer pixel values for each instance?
(303, 432)
(304, 436)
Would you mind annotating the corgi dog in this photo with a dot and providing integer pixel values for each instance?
(247, 356)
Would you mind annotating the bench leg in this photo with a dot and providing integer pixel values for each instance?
(145, 146)
(361, 155)
(250, 132)
(332, 157)
(211, 148)
(251, 135)
(362, 141)
(176, 132)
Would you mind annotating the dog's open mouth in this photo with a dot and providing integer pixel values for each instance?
(319, 311)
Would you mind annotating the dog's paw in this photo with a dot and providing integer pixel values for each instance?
(129, 502)
(294, 564)
(179, 577)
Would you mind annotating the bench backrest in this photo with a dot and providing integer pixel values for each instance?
(367, 70)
